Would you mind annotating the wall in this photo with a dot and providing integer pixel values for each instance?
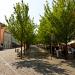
(1, 34)
(7, 40)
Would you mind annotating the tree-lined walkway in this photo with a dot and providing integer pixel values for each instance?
(35, 64)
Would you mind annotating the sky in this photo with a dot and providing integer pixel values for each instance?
(36, 8)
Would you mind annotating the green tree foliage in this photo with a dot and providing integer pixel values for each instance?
(58, 23)
(63, 11)
(20, 25)
(46, 30)
(64, 21)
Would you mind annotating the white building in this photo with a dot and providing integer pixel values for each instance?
(8, 40)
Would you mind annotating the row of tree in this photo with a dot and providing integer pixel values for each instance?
(21, 26)
(57, 25)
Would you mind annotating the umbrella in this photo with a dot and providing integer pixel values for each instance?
(71, 42)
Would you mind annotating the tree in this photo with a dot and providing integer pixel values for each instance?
(63, 19)
(61, 16)
(63, 10)
(20, 24)
(58, 21)
(46, 30)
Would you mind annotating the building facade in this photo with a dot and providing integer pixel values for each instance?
(2, 29)
(6, 39)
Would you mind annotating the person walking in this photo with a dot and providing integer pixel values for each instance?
(57, 51)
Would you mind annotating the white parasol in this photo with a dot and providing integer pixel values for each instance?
(71, 42)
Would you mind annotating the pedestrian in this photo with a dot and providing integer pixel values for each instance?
(57, 51)
(65, 51)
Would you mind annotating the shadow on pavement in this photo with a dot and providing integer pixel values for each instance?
(70, 62)
(40, 66)
(36, 53)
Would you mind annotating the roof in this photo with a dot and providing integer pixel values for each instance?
(2, 25)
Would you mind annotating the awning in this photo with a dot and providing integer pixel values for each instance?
(71, 42)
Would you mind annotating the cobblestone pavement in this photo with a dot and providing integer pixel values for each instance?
(35, 64)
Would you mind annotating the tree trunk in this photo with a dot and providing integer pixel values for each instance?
(24, 48)
(27, 47)
(21, 49)
(66, 51)
(50, 47)
(15, 49)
